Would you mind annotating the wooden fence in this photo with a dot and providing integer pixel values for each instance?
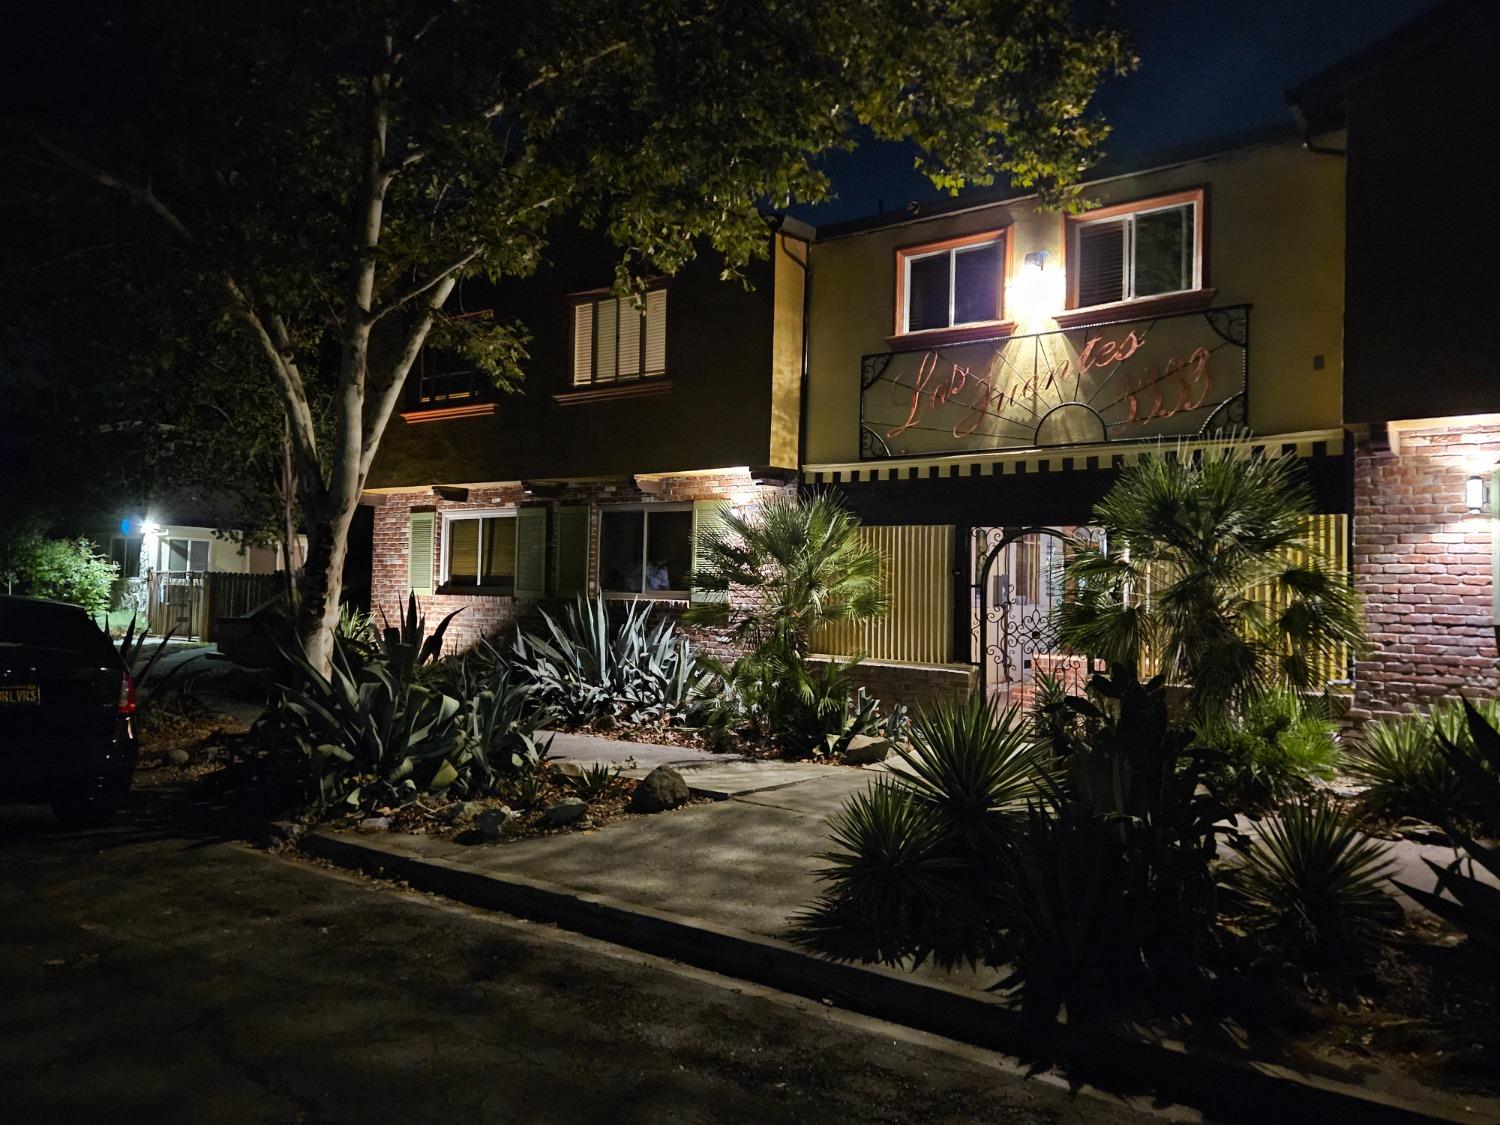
(187, 603)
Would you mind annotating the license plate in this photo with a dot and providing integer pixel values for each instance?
(20, 695)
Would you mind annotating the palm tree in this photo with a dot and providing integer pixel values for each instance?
(1210, 575)
(798, 564)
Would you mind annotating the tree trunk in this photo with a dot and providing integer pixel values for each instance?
(323, 582)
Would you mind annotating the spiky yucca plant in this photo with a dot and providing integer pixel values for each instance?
(1315, 882)
(1195, 544)
(802, 564)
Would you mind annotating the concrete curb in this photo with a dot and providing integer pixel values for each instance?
(1218, 1084)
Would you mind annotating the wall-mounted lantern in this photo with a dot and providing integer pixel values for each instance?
(1037, 259)
(1476, 494)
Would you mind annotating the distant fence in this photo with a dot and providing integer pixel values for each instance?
(187, 603)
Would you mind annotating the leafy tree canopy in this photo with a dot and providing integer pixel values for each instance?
(300, 185)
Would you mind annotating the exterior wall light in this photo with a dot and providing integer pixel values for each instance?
(1476, 494)
(1037, 259)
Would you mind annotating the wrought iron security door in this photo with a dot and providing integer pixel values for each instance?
(1017, 594)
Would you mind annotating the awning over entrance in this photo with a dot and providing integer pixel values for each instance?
(1050, 485)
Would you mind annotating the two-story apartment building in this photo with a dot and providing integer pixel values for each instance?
(637, 422)
(980, 371)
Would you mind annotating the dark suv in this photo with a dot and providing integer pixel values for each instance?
(67, 707)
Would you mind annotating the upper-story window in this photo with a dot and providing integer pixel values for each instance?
(480, 550)
(615, 340)
(1134, 251)
(950, 284)
(446, 378)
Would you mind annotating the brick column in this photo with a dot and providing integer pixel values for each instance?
(1422, 565)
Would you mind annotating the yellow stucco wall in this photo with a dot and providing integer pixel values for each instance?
(786, 352)
(1274, 240)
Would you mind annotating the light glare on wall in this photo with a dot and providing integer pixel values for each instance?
(1034, 293)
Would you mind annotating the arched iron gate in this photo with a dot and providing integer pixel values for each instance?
(1017, 591)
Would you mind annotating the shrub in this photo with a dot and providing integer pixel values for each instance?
(364, 738)
(587, 668)
(1090, 879)
(66, 570)
(1273, 750)
(1407, 775)
(594, 782)
(407, 649)
(1462, 898)
(1314, 883)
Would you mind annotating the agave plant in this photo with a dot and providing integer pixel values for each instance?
(369, 737)
(407, 647)
(587, 667)
(1460, 896)
(142, 664)
(500, 723)
(1314, 882)
(593, 781)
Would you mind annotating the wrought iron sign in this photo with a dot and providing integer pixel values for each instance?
(1165, 376)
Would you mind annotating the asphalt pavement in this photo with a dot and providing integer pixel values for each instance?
(152, 975)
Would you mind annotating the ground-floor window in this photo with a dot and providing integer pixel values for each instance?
(125, 552)
(480, 551)
(184, 556)
(646, 551)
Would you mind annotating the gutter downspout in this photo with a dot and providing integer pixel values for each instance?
(805, 264)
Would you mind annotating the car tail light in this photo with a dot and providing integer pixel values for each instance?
(127, 695)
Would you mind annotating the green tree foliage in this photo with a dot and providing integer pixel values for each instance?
(67, 570)
(305, 184)
(1194, 544)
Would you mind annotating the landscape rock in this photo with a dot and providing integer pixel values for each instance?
(493, 823)
(566, 769)
(179, 757)
(661, 789)
(866, 750)
(565, 812)
(375, 824)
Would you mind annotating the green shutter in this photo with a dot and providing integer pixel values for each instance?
(708, 517)
(419, 553)
(531, 553)
(570, 565)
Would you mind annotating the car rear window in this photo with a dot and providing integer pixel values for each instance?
(36, 624)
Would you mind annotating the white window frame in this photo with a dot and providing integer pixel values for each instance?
(164, 553)
(1127, 248)
(998, 241)
(673, 595)
(446, 553)
(652, 312)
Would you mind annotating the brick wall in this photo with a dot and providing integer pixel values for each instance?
(1422, 565)
(489, 615)
(915, 685)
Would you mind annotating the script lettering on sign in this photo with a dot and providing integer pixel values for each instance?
(1166, 377)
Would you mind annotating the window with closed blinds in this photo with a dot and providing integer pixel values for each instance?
(617, 340)
(480, 551)
(1132, 254)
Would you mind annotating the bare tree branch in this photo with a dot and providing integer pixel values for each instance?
(141, 196)
(549, 73)
(390, 395)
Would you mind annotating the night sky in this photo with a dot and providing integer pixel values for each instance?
(1209, 69)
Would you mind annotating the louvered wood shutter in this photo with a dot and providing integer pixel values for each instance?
(419, 553)
(570, 564)
(531, 553)
(656, 332)
(583, 343)
(708, 518)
